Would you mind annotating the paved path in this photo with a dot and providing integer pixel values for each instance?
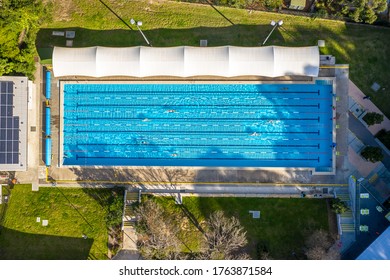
(129, 249)
(34, 120)
(366, 137)
(367, 104)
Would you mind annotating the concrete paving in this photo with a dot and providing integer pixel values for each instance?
(34, 120)
(368, 106)
(363, 166)
(363, 133)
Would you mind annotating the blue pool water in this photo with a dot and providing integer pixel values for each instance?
(226, 125)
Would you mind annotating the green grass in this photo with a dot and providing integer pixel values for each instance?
(166, 23)
(70, 212)
(281, 230)
(3, 207)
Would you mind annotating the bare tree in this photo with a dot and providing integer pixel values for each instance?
(224, 237)
(320, 246)
(159, 240)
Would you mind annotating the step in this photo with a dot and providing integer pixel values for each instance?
(128, 213)
(132, 196)
(347, 214)
(343, 196)
(347, 227)
(128, 224)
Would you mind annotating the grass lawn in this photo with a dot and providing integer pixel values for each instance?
(70, 212)
(168, 23)
(281, 230)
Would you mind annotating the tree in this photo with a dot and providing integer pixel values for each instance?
(339, 206)
(372, 154)
(19, 24)
(384, 136)
(373, 118)
(159, 240)
(320, 246)
(224, 237)
(357, 10)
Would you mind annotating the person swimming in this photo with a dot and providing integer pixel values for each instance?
(254, 134)
(171, 111)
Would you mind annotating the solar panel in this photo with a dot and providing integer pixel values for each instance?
(10, 87)
(9, 126)
(15, 157)
(3, 87)
(16, 134)
(16, 122)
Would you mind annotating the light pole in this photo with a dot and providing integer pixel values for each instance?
(274, 24)
(138, 24)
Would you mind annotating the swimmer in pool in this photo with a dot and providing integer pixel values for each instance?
(254, 134)
(171, 111)
(173, 155)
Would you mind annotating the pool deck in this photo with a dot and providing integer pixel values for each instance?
(192, 177)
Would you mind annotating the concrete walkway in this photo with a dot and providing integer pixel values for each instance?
(363, 133)
(129, 249)
(368, 106)
(33, 136)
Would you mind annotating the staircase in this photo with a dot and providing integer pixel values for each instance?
(128, 223)
(347, 221)
(128, 213)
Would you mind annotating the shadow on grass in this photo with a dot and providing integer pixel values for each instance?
(191, 217)
(218, 11)
(16, 245)
(237, 34)
(114, 13)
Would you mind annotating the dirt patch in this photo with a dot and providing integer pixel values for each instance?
(114, 241)
(62, 9)
(332, 221)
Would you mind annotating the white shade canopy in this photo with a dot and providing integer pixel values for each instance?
(226, 61)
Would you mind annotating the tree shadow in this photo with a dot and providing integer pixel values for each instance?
(218, 11)
(191, 217)
(16, 245)
(115, 14)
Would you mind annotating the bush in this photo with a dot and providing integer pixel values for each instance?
(372, 154)
(19, 24)
(339, 206)
(373, 118)
(384, 137)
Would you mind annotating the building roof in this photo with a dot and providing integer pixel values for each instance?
(226, 61)
(379, 249)
(298, 3)
(13, 123)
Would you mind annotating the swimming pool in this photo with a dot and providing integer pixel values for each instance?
(211, 125)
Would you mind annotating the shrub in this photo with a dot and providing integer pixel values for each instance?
(372, 154)
(339, 206)
(373, 118)
(384, 137)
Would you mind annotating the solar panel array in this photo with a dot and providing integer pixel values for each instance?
(9, 125)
